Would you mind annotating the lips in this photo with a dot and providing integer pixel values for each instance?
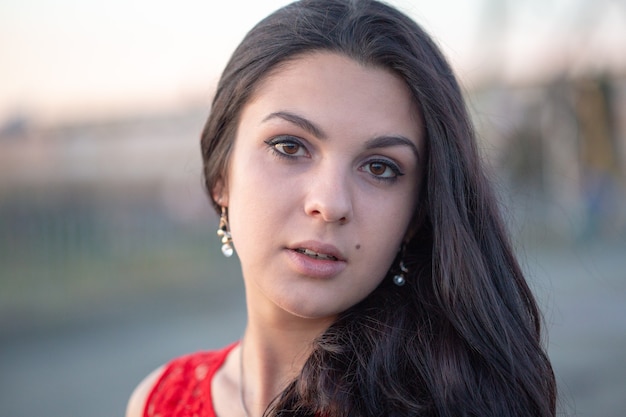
(318, 250)
(315, 259)
(317, 255)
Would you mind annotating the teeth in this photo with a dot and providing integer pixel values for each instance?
(314, 254)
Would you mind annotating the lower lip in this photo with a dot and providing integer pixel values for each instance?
(314, 267)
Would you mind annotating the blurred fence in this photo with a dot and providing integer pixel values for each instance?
(558, 151)
(91, 212)
(107, 205)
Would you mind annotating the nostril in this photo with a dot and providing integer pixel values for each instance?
(325, 203)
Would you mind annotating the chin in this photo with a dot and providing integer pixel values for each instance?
(319, 309)
(312, 311)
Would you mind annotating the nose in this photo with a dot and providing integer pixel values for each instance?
(329, 197)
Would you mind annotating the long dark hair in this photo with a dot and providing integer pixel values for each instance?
(462, 337)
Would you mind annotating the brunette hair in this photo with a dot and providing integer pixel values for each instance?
(462, 337)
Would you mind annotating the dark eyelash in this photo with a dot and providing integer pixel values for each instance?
(272, 142)
(395, 168)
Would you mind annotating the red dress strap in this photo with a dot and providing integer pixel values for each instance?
(184, 387)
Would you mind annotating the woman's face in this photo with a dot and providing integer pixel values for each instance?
(322, 184)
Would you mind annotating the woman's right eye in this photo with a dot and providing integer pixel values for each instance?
(287, 146)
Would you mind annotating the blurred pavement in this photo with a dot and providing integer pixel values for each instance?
(88, 367)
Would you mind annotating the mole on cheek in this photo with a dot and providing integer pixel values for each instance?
(358, 246)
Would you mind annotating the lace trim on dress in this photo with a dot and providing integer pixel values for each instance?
(184, 387)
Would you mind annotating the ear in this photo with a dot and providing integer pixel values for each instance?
(220, 193)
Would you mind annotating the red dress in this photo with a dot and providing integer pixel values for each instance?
(184, 387)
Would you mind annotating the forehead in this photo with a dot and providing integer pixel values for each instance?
(333, 90)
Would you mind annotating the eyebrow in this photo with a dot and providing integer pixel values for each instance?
(299, 121)
(374, 143)
(393, 140)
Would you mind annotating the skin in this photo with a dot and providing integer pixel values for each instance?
(326, 158)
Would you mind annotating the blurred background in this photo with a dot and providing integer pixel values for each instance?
(109, 262)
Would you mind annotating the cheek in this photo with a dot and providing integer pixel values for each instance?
(257, 202)
(384, 231)
(388, 216)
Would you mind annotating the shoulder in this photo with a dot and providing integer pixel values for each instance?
(139, 397)
(181, 374)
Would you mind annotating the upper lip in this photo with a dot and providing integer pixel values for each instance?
(319, 247)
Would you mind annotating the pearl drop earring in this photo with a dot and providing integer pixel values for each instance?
(399, 279)
(224, 232)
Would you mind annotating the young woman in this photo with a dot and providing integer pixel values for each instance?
(379, 278)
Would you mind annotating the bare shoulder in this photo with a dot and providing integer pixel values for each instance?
(138, 398)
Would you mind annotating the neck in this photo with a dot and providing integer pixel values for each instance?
(272, 356)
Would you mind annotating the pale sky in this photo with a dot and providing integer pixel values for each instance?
(62, 59)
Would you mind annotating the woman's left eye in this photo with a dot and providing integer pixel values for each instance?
(384, 170)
